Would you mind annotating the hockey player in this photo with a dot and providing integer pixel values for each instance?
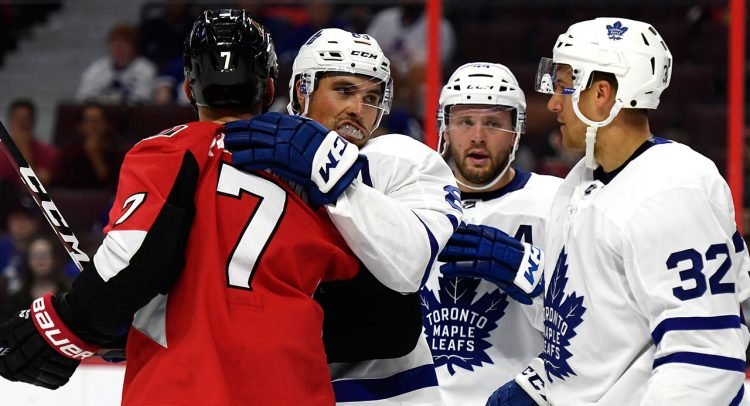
(214, 266)
(479, 335)
(646, 269)
(395, 217)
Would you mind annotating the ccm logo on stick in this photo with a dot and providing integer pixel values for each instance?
(55, 333)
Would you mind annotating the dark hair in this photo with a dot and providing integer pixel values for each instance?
(23, 103)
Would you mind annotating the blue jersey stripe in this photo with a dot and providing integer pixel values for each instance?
(694, 323)
(738, 241)
(737, 399)
(433, 252)
(360, 390)
(705, 360)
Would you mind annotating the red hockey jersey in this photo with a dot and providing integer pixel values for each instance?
(238, 325)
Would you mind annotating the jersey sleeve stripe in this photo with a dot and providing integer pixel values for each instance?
(705, 360)
(360, 390)
(738, 399)
(739, 243)
(694, 323)
(433, 251)
(453, 220)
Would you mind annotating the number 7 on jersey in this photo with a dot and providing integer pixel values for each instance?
(260, 226)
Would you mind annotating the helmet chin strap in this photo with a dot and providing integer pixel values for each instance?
(593, 126)
(482, 188)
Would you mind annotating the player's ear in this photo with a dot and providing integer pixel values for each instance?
(186, 89)
(270, 92)
(301, 98)
(604, 94)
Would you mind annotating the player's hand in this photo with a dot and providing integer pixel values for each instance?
(297, 148)
(487, 253)
(527, 389)
(37, 348)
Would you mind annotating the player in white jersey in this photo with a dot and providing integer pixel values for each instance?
(647, 272)
(480, 337)
(395, 217)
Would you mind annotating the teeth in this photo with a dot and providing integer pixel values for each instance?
(350, 131)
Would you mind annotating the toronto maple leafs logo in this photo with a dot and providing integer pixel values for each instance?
(457, 326)
(616, 31)
(562, 314)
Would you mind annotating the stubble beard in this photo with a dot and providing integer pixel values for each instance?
(480, 176)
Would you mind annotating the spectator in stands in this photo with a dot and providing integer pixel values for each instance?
(42, 157)
(402, 33)
(22, 226)
(122, 76)
(93, 158)
(163, 30)
(42, 274)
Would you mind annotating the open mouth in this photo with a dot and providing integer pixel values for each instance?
(477, 156)
(348, 130)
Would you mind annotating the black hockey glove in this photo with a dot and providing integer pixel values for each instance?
(37, 347)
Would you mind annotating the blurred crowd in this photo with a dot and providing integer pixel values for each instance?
(135, 89)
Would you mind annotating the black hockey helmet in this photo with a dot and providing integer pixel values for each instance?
(228, 59)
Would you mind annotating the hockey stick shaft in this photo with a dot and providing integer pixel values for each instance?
(42, 199)
(51, 213)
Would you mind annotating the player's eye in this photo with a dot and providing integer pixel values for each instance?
(371, 99)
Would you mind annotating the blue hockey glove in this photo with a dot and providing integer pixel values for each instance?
(527, 389)
(297, 148)
(487, 253)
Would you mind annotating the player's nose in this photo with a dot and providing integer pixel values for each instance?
(554, 104)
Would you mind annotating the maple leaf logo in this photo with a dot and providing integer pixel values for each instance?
(616, 31)
(562, 314)
(457, 326)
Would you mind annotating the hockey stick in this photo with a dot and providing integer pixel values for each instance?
(51, 213)
(42, 199)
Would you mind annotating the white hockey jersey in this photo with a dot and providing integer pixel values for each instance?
(396, 226)
(479, 337)
(644, 280)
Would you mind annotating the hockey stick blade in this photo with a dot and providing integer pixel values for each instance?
(42, 199)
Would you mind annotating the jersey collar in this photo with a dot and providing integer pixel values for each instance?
(518, 182)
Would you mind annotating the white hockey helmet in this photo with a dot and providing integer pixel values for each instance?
(482, 83)
(336, 50)
(633, 51)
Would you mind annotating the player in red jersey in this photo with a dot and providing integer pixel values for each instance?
(209, 269)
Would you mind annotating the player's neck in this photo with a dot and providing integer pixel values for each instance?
(223, 115)
(616, 142)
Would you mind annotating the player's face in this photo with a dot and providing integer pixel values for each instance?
(480, 139)
(572, 128)
(348, 104)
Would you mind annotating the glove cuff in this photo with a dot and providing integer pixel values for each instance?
(57, 335)
(532, 383)
(530, 274)
(332, 161)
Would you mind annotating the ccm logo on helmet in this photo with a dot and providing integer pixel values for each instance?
(365, 54)
(480, 87)
(47, 325)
